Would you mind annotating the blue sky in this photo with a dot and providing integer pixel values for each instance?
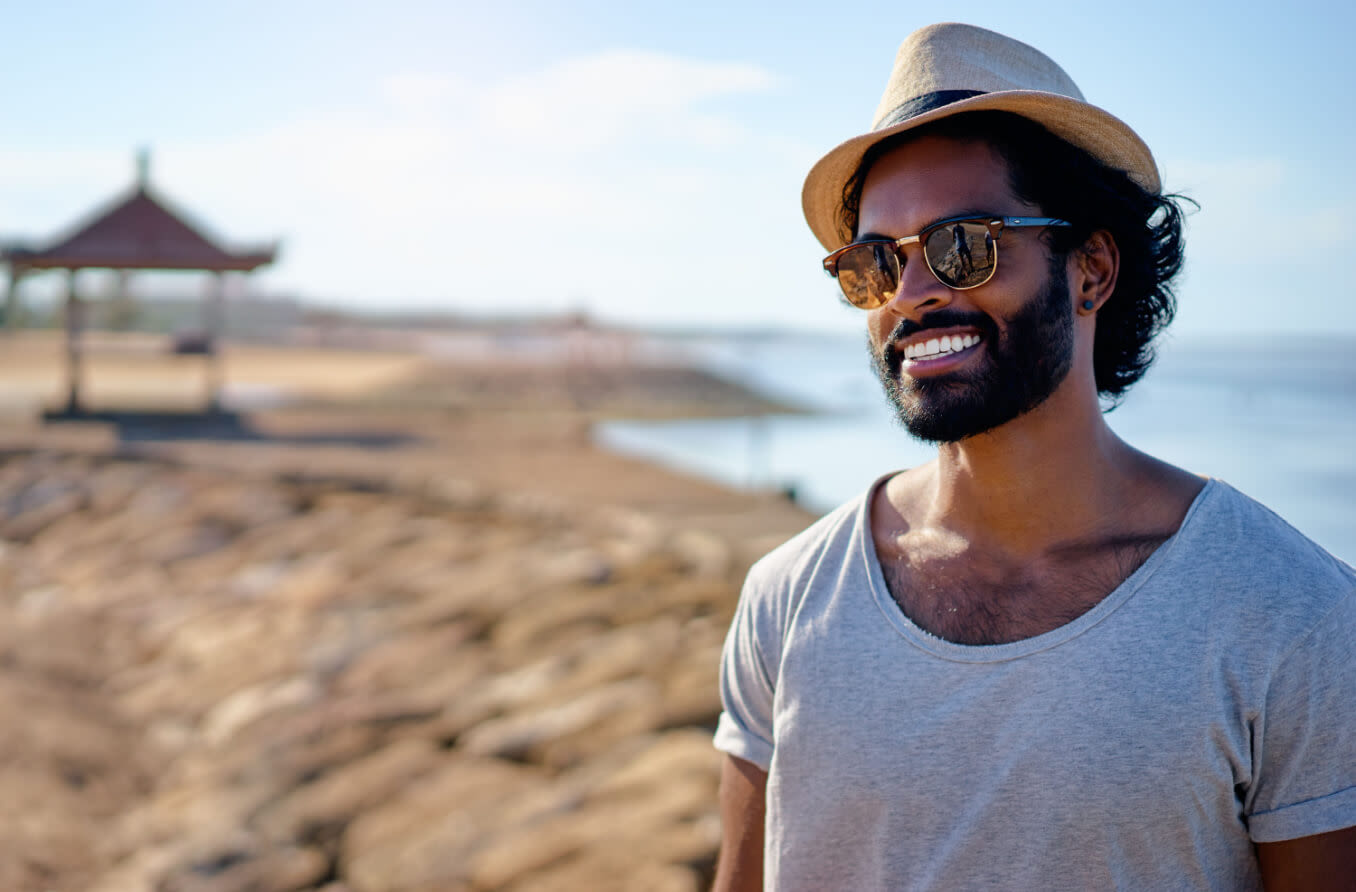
(643, 161)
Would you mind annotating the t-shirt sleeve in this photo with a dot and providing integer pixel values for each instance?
(1305, 766)
(747, 677)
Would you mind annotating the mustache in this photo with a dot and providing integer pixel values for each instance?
(938, 319)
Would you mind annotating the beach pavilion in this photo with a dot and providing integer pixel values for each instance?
(135, 232)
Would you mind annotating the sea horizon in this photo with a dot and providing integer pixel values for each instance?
(1273, 419)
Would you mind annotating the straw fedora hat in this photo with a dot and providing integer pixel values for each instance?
(946, 69)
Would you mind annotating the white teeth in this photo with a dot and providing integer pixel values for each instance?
(940, 346)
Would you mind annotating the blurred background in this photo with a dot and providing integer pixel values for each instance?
(387, 539)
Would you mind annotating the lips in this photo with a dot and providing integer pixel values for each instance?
(937, 342)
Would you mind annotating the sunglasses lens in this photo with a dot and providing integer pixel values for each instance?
(868, 274)
(961, 254)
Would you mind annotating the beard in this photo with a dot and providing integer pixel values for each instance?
(1020, 370)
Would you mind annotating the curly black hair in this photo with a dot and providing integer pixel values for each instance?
(1066, 182)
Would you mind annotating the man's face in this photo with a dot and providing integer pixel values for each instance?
(1017, 329)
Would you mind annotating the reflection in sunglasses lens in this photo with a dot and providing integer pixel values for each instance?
(961, 254)
(868, 275)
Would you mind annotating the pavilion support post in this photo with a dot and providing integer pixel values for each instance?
(74, 325)
(12, 311)
(121, 311)
(214, 326)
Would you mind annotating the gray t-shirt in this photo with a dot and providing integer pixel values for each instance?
(1207, 703)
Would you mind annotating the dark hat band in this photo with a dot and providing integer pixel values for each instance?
(919, 105)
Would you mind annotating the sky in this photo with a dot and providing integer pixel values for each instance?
(642, 162)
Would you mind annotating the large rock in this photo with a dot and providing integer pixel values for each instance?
(320, 810)
(561, 734)
(634, 824)
(608, 871)
(423, 838)
(234, 868)
(234, 681)
(69, 765)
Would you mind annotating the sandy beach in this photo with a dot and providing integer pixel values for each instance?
(412, 632)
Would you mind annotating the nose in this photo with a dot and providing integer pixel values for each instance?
(919, 290)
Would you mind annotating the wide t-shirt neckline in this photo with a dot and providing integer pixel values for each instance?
(994, 653)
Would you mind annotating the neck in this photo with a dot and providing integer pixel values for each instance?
(1055, 475)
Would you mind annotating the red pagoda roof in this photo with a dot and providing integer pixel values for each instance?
(138, 232)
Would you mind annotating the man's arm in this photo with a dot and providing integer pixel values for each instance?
(1322, 863)
(743, 791)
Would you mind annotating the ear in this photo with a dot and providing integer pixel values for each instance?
(1094, 268)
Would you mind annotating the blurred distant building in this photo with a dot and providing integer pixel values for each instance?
(137, 232)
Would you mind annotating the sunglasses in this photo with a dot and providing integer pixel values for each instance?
(961, 252)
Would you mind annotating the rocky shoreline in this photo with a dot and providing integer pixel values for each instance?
(234, 667)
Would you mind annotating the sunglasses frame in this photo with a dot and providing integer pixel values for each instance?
(994, 224)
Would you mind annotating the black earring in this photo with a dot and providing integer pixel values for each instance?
(1088, 305)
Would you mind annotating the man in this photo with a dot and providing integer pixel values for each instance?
(1044, 660)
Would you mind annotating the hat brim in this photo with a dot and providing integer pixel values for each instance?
(1097, 132)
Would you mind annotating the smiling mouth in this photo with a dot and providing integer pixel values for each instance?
(943, 346)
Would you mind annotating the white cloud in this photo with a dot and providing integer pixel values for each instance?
(608, 179)
(598, 101)
(414, 195)
(419, 91)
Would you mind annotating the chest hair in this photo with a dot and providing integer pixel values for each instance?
(952, 598)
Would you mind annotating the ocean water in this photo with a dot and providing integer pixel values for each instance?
(1274, 418)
